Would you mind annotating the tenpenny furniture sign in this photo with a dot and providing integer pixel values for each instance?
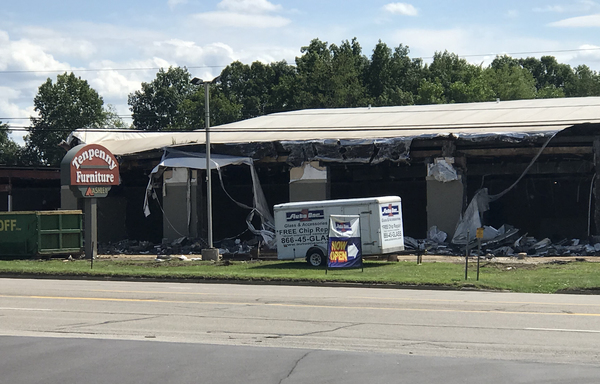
(90, 169)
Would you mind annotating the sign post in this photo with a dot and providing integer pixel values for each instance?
(344, 248)
(479, 237)
(90, 170)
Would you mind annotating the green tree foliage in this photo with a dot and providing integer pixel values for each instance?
(511, 82)
(430, 92)
(447, 69)
(9, 150)
(112, 118)
(331, 76)
(62, 107)
(548, 73)
(159, 106)
(585, 83)
(348, 66)
(254, 89)
(312, 85)
(392, 78)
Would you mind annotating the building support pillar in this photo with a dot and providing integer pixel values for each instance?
(596, 185)
(309, 182)
(180, 203)
(68, 200)
(446, 190)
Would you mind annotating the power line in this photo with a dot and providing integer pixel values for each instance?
(527, 53)
(104, 69)
(225, 65)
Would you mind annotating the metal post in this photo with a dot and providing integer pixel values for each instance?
(10, 200)
(210, 253)
(467, 255)
(208, 172)
(478, 256)
(91, 228)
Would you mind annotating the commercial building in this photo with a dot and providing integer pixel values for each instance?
(436, 157)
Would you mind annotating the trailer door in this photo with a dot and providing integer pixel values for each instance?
(369, 246)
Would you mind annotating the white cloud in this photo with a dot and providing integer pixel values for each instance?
(578, 6)
(188, 52)
(26, 55)
(114, 84)
(173, 3)
(59, 43)
(551, 8)
(19, 115)
(401, 9)
(512, 14)
(589, 55)
(467, 41)
(251, 6)
(581, 21)
(241, 20)
(243, 14)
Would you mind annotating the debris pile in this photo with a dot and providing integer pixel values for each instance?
(504, 241)
(181, 246)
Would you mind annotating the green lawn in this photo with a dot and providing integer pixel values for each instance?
(543, 278)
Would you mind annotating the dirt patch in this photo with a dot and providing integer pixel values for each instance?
(511, 261)
(500, 260)
(510, 266)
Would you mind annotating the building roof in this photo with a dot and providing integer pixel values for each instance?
(512, 118)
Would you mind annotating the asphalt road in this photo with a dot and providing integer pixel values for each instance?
(55, 331)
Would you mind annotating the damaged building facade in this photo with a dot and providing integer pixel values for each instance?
(535, 162)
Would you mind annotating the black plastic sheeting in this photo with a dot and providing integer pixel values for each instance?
(361, 151)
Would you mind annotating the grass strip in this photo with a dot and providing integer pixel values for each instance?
(539, 278)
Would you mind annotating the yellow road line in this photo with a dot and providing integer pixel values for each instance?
(364, 297)
(473, 301)
(255, 304)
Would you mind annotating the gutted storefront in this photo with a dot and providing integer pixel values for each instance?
(536, 160)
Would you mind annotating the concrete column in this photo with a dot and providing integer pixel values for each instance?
(444, 198)
(180, 203)
(309, 182)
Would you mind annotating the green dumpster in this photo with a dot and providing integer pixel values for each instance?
(40, 233)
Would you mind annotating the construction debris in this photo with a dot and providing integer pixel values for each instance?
(177, 248)
(504, 242)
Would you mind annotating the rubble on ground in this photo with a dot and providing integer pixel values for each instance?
(505, 241)
(178, 247)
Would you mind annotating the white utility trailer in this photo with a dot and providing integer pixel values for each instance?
(302, 228)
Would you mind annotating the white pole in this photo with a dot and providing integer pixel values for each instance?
(208, 172)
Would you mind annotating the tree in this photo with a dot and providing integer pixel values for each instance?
(585, 83)
(447, 69)
(503, 61)
(548, 73)
(348, 66)
(158, 105)
(112, 118)
(64, 106)
(9, 150)
(511, 82)
(391, 77)
(430, 92)
(313, 86)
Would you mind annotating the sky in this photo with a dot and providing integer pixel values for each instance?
(117, 45)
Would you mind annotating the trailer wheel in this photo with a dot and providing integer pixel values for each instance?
(316, 257)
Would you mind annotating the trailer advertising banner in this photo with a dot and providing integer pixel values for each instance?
(390, 218)
(344, 245)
